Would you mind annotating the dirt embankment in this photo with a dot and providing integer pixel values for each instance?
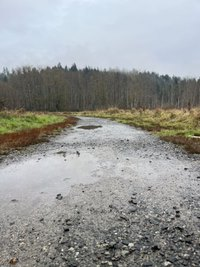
(24, 138)
(192, 145)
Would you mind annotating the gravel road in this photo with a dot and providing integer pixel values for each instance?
(93, 196)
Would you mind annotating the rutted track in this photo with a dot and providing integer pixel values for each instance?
(129, 200)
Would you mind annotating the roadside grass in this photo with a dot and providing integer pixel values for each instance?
(179, 126)
(16, 121)
(19, 129)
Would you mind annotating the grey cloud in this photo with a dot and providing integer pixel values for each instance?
(161, 36)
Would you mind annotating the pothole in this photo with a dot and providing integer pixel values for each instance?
(90, 127)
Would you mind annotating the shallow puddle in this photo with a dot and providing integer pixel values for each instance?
(45, 177)
(90, 127)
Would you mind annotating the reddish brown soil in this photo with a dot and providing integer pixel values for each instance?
(32, 136)
(192, 145)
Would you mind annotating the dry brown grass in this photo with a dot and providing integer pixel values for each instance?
(180, 126)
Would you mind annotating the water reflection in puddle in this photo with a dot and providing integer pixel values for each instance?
(50, 175)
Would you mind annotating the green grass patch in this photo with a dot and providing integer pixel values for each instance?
(14, 122)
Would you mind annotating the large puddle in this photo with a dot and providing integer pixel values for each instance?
(43, 178)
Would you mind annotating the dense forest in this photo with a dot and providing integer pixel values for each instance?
(71, 89)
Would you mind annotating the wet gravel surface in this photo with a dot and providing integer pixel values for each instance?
(105, 196)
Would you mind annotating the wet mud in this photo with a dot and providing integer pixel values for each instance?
(111, 196)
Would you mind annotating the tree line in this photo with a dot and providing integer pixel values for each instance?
(61, 88)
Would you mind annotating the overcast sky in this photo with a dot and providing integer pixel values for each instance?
(155, 35)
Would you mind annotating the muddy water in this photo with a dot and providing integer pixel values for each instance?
(86, 154)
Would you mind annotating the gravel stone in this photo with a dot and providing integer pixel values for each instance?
(147, 215)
